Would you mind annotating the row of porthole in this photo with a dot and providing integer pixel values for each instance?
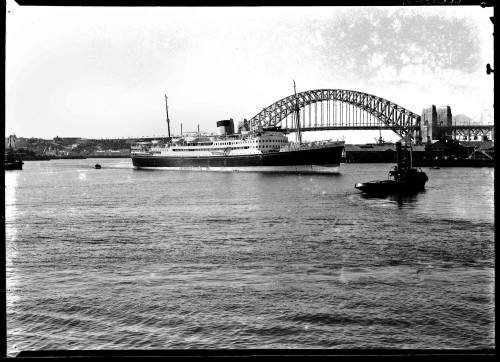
(270, 141)
(259, 142)
(208, 149)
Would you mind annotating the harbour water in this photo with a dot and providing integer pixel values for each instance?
(119, 258)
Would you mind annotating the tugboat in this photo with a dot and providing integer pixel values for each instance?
(405, 177)
(11, 161)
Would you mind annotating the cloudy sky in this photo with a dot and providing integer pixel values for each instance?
(100, 72)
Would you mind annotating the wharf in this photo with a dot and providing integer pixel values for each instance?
(444, 153)
(68, 157)
(464, 162)
(376, 153)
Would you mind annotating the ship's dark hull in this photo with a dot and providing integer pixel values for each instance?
(389, 187)
(314, 160)
(416, 183)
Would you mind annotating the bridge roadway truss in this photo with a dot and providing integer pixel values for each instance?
(339, 109)
(469, 131)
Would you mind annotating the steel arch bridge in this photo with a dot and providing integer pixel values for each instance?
(339, 109)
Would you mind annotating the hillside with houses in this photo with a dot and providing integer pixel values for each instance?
(69, 147)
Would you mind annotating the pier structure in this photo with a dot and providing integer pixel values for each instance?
(341, 109)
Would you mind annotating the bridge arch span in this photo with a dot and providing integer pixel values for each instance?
(399, 119)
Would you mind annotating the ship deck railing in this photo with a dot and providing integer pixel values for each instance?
(308, 145)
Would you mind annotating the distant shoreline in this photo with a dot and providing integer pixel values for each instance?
(69, 158)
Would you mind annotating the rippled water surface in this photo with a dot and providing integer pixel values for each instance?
(119, 258)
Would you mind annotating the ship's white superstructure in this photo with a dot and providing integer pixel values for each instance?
(221, 146)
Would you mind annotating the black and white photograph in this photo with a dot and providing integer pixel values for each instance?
(249, 179)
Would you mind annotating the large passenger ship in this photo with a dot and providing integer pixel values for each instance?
(262, 149)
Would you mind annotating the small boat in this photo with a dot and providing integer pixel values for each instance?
(11, 163)
(405, 178)
(435, 167)
(12, 160)
(97, 166)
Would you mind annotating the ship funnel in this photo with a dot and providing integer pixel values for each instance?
(225, 127)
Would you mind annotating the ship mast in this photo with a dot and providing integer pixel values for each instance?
(168, 119)
(297, 114)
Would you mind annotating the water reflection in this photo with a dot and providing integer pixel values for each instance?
(11, 184)
(11, 232)
(401, 199)
(295, 174)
